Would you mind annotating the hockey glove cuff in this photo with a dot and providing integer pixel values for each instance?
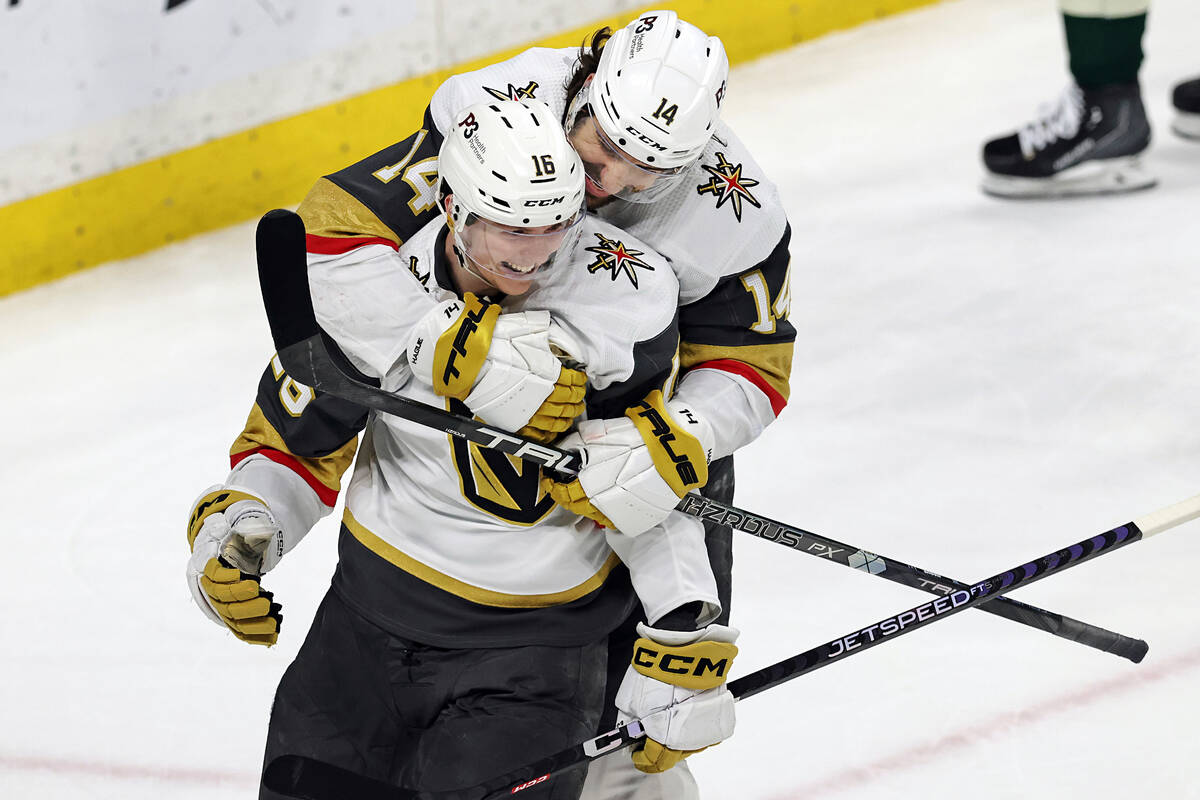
(500, 365)
(676, 686)
(637, 467)
(234, 539)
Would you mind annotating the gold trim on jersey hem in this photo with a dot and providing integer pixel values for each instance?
(475, 594)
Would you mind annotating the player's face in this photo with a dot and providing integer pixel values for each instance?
(510, 257)
(609, 171)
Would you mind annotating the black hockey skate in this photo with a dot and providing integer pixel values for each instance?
(1186, 99)
(1089, 142)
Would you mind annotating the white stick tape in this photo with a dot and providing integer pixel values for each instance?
(1169, 517)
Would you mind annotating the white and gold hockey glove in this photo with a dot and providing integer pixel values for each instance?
(500, 365)
(235, 539)
(675, 685)
(637, 467)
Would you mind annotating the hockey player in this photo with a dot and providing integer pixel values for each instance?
(1091, 140)
(465, 630)
(643, 111)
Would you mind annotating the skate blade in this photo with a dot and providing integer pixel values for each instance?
(1107, 176)
(1187, 125)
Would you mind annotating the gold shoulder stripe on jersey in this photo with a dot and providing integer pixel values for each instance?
(772, 361)
(327, 469)
(330, 211)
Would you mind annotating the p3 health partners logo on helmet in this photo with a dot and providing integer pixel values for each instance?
(645, 25)
(470, 127)
(728, 185)
(614, 257)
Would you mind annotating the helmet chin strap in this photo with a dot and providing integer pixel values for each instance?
(472, 266)
(460, 250)
(468, 263)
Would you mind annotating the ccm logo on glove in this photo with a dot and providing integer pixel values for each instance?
(703, 665)
(675, 685)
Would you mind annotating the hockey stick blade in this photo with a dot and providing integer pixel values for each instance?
(314, 772)
(309, 779)
(283, 277)
(311, 358)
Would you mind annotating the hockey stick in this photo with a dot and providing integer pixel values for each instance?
(315, 780)
(309, 357)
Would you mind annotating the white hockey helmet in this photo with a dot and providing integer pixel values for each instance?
(656, 95)
(509, 167)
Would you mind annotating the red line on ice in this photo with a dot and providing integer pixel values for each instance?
(862, 775)
(99, 769)
(922, 754)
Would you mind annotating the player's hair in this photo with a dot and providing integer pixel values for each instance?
(589, 59)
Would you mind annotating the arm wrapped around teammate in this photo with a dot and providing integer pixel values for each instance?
(235, 539)
(500, 365)
(675, 685)
(636, 467)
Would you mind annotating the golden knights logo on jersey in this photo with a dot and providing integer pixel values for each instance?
(514, 92)
(415, 269)
(728, 185)
(613, 256)
(501, 485)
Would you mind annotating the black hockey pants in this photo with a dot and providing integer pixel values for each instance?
(432, 718)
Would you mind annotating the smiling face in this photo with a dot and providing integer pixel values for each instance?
(509, 257)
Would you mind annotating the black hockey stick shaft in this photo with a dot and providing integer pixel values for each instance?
(310, 358)
(310, 773)
(899, 572)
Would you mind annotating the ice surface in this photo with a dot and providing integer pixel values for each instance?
(976, 383)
